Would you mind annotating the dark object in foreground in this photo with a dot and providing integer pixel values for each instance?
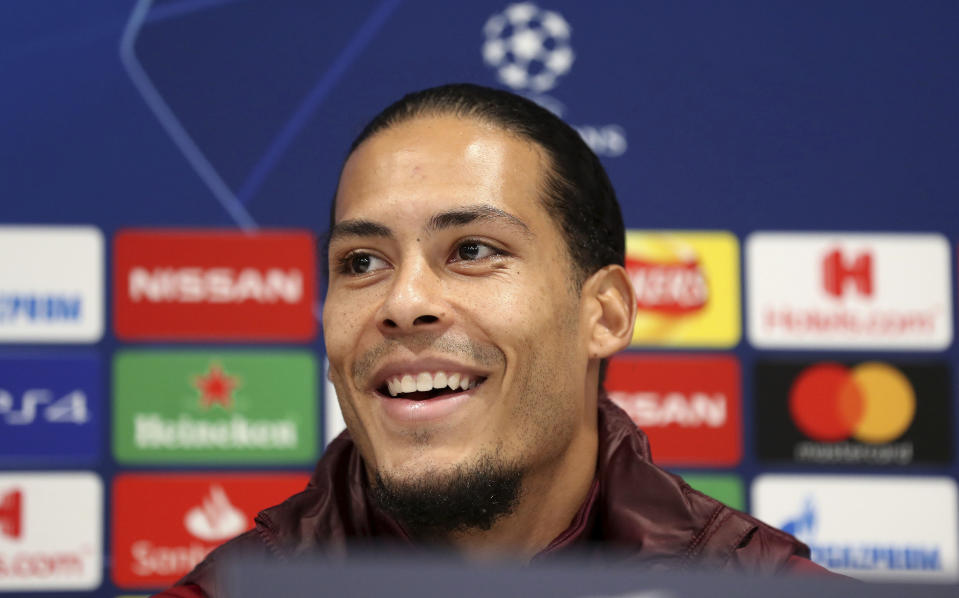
(420, 574)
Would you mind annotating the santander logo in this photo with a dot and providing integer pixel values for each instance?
(215, 518)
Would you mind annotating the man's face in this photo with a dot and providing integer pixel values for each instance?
(449, 279)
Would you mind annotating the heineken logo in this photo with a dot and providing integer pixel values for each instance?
(204, 407)
(216, 387)
(152, 430)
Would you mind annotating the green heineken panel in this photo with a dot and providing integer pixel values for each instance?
(727, 489)
(214, 407)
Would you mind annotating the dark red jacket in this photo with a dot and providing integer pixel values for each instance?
(634, 510)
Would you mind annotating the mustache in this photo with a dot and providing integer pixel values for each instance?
(477, 353)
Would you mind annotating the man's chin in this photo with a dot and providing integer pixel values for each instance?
(434, 502)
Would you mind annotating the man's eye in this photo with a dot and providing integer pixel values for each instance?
(474, 250)
(361, 263)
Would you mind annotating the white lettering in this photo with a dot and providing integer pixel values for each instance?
(606, 140)
(166, 560)
(191, 285)
(650, 409)
(185, 433)
(40, 308)
(215, 285)
(42, 565)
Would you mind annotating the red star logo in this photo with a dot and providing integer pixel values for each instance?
(216, 386)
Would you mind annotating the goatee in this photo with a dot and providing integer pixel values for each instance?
(470, 497)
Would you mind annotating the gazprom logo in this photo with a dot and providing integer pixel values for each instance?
(39, 308)
(55, 296)
(860, 556)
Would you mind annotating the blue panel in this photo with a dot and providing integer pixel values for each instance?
(51, 409)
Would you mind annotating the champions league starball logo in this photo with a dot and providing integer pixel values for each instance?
(528, 47)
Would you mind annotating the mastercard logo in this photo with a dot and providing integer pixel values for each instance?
(872, 402)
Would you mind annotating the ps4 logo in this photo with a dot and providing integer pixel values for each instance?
(42, 403)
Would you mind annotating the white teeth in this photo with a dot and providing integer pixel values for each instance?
(424, 382)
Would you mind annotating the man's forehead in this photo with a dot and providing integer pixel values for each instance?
(465, 160)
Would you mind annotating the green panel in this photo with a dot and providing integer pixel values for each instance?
(727, 489)
(213, 407)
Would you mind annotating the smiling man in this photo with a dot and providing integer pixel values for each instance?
(476, 288)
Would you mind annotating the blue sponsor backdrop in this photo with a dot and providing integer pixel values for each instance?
(736, 115)
(51, 410)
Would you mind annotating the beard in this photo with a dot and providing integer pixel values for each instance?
(470, 497)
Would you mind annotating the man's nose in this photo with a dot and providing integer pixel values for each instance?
(415, 301)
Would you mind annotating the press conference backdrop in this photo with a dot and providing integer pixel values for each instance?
(787, 171)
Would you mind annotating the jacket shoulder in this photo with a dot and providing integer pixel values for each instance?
(203, 577)
(663, 520)
(731, 539)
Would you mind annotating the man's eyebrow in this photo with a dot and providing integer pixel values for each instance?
(468, 214)
(359, 228)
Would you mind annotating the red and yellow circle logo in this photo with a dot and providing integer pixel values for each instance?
(872, 402)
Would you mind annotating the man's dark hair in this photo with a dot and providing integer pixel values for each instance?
(577, 191)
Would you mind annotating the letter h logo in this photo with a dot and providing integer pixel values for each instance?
(837, 273)
(10, 514)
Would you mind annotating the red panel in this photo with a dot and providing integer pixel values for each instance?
(214, 285)
(689, 406)
(164, 524)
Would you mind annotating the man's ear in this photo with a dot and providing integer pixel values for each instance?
(611, 310)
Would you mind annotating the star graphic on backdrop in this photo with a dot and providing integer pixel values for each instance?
(216, 386)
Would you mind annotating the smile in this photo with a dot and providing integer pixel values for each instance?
(418, 394)
(428, 385)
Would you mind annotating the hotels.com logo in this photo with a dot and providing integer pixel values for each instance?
(216, 285)
(849, 290)
(689, 406)
(50, 531)
(10, 519)
(838, 273)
